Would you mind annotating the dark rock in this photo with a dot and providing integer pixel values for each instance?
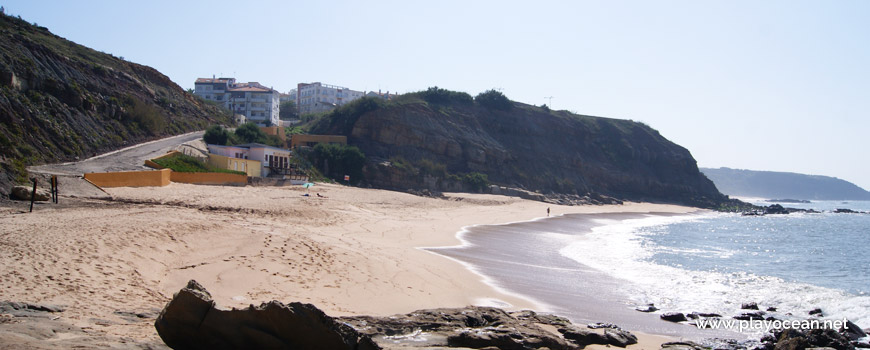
(619, 337)
(647, 308)
(191, 321)
(775, 209)
(748, 316)
(20, 309)
(749, 306)
(852, 331)
(794, 339)
(816, 311)
(674, 317)
(583, 337)
(771, 309)
(707, 314)
(845, 211)
(862, 345)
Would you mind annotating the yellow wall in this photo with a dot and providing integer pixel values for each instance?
(249, 166)
(274, 130)
(302, 140)
(209, 178)
(130, 178)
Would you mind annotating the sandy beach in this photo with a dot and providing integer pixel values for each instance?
(351, 252)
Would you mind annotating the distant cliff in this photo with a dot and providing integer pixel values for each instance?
(61, 101)
(441, 134)
(779, 185)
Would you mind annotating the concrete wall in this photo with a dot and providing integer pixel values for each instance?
(274, 130)
(131, 178)
(249, 166)
(210, 178)
(306, 140)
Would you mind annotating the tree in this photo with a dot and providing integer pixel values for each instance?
(287, 110)
(493, 99)
(216, 135)
(336, 161)
(250, 133)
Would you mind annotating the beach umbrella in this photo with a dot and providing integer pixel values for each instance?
(308, 185)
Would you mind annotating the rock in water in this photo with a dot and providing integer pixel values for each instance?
(23, 193)
(191, 321)
(673, 317)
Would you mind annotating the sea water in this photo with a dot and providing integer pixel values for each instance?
(598, 268)
(714, 262)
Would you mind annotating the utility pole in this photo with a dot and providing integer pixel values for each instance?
(550, 102)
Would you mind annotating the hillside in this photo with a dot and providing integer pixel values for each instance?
(780, 185)
(60, 101)
(423, 140)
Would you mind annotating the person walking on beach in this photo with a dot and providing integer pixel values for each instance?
(548, 211)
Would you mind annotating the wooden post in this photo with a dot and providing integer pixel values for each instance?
(33, 194)
(54, 188)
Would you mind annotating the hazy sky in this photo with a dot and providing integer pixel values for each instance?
(763, 85)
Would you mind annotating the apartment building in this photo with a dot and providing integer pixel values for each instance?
(318, 97)
(259, 104)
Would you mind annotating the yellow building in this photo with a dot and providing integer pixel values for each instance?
(249, 166)
(312, 140)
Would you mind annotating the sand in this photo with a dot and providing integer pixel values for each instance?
(353, 252)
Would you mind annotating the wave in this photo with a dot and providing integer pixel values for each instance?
(619, 249)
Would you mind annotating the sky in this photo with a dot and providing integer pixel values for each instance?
(761, 85)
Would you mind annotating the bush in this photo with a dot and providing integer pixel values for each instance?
(476, 181)
(336, 161)
(341, 120)
(442, 96)
(216, 135)
(431, 168)
(251, 133)
(493, 99)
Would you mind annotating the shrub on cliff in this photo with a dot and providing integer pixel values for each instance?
(492, 99)
(336, 161)
(340, 121)
(442, 96)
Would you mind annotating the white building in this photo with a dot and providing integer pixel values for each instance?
(275, 161)
(318, 97)
(259, 104)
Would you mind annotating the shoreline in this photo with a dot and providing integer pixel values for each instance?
(353, 252)
(559, 271)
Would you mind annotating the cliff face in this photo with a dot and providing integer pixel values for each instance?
(780, 185)
(61, 101)
(526, 147)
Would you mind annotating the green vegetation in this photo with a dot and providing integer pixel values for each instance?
(186, 164)
(340, 121)
(216, 135)
(438, 95)
(492, 99)
(247, 133)
(147, 116)
(336, 161)
(287, 110)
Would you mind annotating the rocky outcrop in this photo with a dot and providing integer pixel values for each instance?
(24, 193)
(480, 327)
(191, 321)
(525, 147)
(60, 101)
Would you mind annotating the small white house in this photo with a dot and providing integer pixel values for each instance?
(274, 160)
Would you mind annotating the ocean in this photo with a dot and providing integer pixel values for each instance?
(598, 268)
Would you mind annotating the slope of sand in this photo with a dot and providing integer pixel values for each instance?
(351, 252)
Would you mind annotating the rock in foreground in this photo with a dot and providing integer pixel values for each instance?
(191, 321)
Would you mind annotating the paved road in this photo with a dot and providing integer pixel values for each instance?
(127, 159)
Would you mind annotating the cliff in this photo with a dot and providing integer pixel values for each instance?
(518, 146)
(60, 101)
(781, 185)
